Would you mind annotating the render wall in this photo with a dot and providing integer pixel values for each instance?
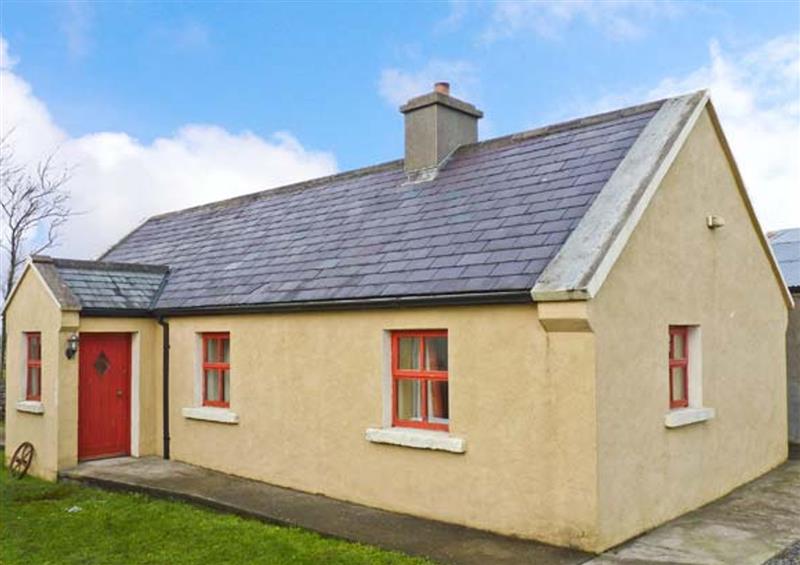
(306, 386)
(54, 433)
(34, 310)
(674, 270)
(793, 370)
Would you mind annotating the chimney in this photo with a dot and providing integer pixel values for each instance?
(436, 124)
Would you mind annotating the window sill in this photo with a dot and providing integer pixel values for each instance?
(30, 406)
(420, 439)
(211, 414)
(685, 416)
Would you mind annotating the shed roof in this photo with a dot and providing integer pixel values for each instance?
(786, 246)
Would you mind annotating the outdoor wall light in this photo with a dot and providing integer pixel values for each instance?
(715, 222)
(72, 346)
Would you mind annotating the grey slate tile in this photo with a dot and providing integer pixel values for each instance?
(505, 205)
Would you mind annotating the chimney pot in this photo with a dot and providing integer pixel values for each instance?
(442, 88)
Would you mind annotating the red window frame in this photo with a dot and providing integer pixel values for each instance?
(31, 363)
(220, 366)
(683, 332)
(422, 375)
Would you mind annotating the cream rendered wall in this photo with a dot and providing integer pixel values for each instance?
(674, 270)
(147, 333)
(54, 434)
(33, 309)
(306, 386)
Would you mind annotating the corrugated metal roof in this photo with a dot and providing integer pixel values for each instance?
(786, 246)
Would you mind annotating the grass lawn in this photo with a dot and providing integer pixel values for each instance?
(46, 523)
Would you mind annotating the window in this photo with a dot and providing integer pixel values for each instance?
(678, 367)
(33, 366)
(216, 369)
(419, 379)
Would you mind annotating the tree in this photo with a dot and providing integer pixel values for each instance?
(33, 206)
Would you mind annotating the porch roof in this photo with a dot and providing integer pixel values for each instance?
(99, 286)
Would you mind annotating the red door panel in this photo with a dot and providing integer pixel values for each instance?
(104, 403)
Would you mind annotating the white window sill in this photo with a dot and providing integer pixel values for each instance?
(686, 416)
(30, 406)
(211, 414)
(420, 439)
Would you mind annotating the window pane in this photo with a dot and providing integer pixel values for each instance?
(678, 349)
(436, 353)
(34, 381)
(34, 347)
(438, 410)
(212, 385)
(226, 376)
(408, 399)
(212, 350)
(226, 350)
(678, 383)
(408, 353)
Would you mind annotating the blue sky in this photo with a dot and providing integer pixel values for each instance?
(327, 79)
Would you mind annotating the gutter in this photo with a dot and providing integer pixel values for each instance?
(165, 384)
(459, 299)
(463, 299)
(116, 313)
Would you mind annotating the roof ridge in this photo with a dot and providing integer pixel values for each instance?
(781, 232)
(99, 265)
(286, 188)
(574, 123)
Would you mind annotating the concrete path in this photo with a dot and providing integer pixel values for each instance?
(753, 524)
(749, 526)
(445, 543)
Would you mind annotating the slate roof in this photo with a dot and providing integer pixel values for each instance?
(100, 286)
(490, 222)
(786, 246)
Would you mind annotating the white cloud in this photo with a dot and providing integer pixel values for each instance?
(757, 96)
(7, 60)
(397, 86)
(76, 25)
(189, 35)
(617, 19)
(118, 181)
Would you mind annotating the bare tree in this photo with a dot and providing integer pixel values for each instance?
(33, 206)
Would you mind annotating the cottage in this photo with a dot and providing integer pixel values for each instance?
(786, 245)
(570, 334)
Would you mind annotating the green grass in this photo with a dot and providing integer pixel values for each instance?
(36, 526)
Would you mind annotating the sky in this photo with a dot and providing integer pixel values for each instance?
(156, 106)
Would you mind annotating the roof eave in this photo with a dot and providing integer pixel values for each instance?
(117, 313)
(459, 299)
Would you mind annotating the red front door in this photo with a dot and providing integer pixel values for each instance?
(104, 405)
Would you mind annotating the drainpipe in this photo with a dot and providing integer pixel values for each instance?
(165, 392)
